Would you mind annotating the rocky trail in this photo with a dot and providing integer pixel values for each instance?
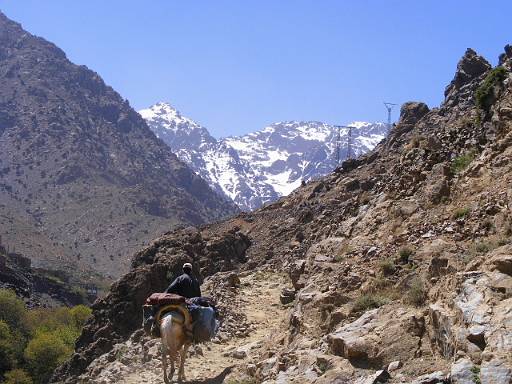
(222, 361)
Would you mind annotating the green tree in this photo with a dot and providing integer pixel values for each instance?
(80, 314)
(47, 319)
(7, 353)
(12, 309)
(17, 376)
(44, 353)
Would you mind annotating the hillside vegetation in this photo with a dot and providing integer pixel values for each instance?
(33, 342)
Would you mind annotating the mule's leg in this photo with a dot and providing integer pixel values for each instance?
(164, 363)
(183, 355)
(172, 357)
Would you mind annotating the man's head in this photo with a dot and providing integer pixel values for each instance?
(187, 268)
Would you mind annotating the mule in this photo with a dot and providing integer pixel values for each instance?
(175, 344)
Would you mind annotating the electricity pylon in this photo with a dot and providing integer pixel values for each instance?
(389, 107)
(349, 142)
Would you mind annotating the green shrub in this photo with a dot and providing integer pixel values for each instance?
(484, 93)
(387, 267)
(65, 323)
(368, 301)
(323, 366)
(416, 294)
(483, 247)
(47, 319)
(12, 309)
(68, 335)
(44, 353)
(460, 213)
(460, 163)
(379, 284)
(501, 242)
(475, 370)
(17, 376)
(404, 253)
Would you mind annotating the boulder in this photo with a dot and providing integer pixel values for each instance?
(431, 378)
(405, 208)
(496, 372)
(287, 296)
(379, 377)
(502, 263)
(439, 267)
(379, 337)
(232, 279)
(471, 70)
(295, 271)
(438, 248)
(394, 365)
(441, 329)
(411, 112)
(505, 56)
(461, 372)
(437, 186)
(477, 319)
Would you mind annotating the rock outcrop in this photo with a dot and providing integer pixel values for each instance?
(35, 286)
(471, 67)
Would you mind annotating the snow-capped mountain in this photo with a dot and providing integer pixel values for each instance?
(262, 166)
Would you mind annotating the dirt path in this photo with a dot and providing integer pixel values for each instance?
(225, 362)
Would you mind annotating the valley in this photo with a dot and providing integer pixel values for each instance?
(391, 263)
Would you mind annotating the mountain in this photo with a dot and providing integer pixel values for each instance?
(396, 267)
(262, 166)
(83, 180)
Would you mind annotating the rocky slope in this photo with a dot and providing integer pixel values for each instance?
(36, 287)
(399, 262)
(262, 166)
(83, 180)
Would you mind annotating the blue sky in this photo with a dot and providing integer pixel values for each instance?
(236, 66)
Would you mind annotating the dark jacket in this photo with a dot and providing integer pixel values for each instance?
(186, 286)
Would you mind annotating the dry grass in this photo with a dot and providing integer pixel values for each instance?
(404, 253)
(416, 293)
(368, 301)
(387, 267)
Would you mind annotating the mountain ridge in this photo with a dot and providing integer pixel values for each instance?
(258, 168)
